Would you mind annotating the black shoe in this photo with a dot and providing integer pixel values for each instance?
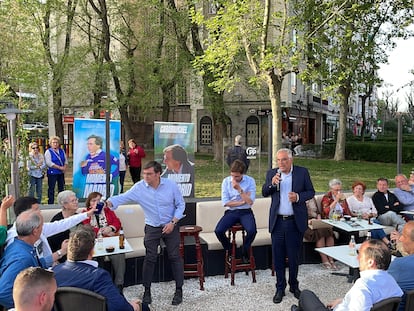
(120, 288)
(147, 296)
(277, 298)
(296, 292)
(178, 297)
(245, 259)
(294, 308)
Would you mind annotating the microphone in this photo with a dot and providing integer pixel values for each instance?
(277, 186)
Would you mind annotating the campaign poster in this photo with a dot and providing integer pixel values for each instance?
(174, 148)
(89, 157)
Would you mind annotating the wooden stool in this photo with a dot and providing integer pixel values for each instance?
(236, 264)
(193, 269)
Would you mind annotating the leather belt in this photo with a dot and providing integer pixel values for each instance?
(286, 217)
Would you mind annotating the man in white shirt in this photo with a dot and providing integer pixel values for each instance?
(49, 228)
(374, 285)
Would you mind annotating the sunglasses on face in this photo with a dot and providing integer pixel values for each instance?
(35, 147)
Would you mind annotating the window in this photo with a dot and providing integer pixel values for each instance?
(293, 82)
(206, 131)
(212, 7)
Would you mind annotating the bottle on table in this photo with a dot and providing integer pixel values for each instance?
(352, 246)
(99, 241)
(121, 239)
(370, 216)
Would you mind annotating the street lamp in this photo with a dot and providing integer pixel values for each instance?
(10, 112)
(399, 142)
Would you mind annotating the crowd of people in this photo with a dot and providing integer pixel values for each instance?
(53, 164)
(293, 142)
(66, 244)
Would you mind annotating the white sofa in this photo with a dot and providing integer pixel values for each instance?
(208, 214)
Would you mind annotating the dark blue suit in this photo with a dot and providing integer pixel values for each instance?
(86, 276)
(287, 235)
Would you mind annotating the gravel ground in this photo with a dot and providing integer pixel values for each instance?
(245, 295)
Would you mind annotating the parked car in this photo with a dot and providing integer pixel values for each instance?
(35, 126)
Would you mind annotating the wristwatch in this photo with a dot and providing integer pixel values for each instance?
(173, 222)
(241, 191)
(60, 255)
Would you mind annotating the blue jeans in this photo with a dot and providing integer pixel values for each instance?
(36, 186)
(243, 216)
(378, 234)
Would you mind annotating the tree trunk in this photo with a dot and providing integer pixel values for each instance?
(343, 112)
(364, 119)
(215, 103)
(57, 107)
(274, 84)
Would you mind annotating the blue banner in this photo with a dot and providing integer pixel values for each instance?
(89, 157)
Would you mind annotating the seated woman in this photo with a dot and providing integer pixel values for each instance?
(108, 224)
(322, 236)
(334, 201)
(361, 204)
(69, 202)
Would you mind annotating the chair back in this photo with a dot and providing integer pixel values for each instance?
(389, 304)
(75, 299)
(409, 300)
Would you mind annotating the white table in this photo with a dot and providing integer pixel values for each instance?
(353, 226)
(111, 241)
(341, 253)
(407, 212)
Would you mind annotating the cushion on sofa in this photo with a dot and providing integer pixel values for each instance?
(133, 223)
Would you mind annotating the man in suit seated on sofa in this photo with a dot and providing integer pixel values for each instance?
(81, 271)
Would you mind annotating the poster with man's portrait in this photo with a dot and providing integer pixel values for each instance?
(89, 157)
(174, 148)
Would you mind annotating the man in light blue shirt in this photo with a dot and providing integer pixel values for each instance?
(163, 206)
(404, 192)
(238, 193)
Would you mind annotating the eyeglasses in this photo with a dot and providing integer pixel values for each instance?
(73, 201)
(35, 147)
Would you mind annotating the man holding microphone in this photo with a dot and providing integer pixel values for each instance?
(290, 187)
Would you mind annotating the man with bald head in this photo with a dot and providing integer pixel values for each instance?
(404, 192)
(402, 268)
(21, 254)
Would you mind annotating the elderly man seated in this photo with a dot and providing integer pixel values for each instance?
(402, 268)
(404, 192)
(20, 254)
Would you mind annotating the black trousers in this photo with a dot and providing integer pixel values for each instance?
(308, 301)
(152, 238)
(135, 173)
